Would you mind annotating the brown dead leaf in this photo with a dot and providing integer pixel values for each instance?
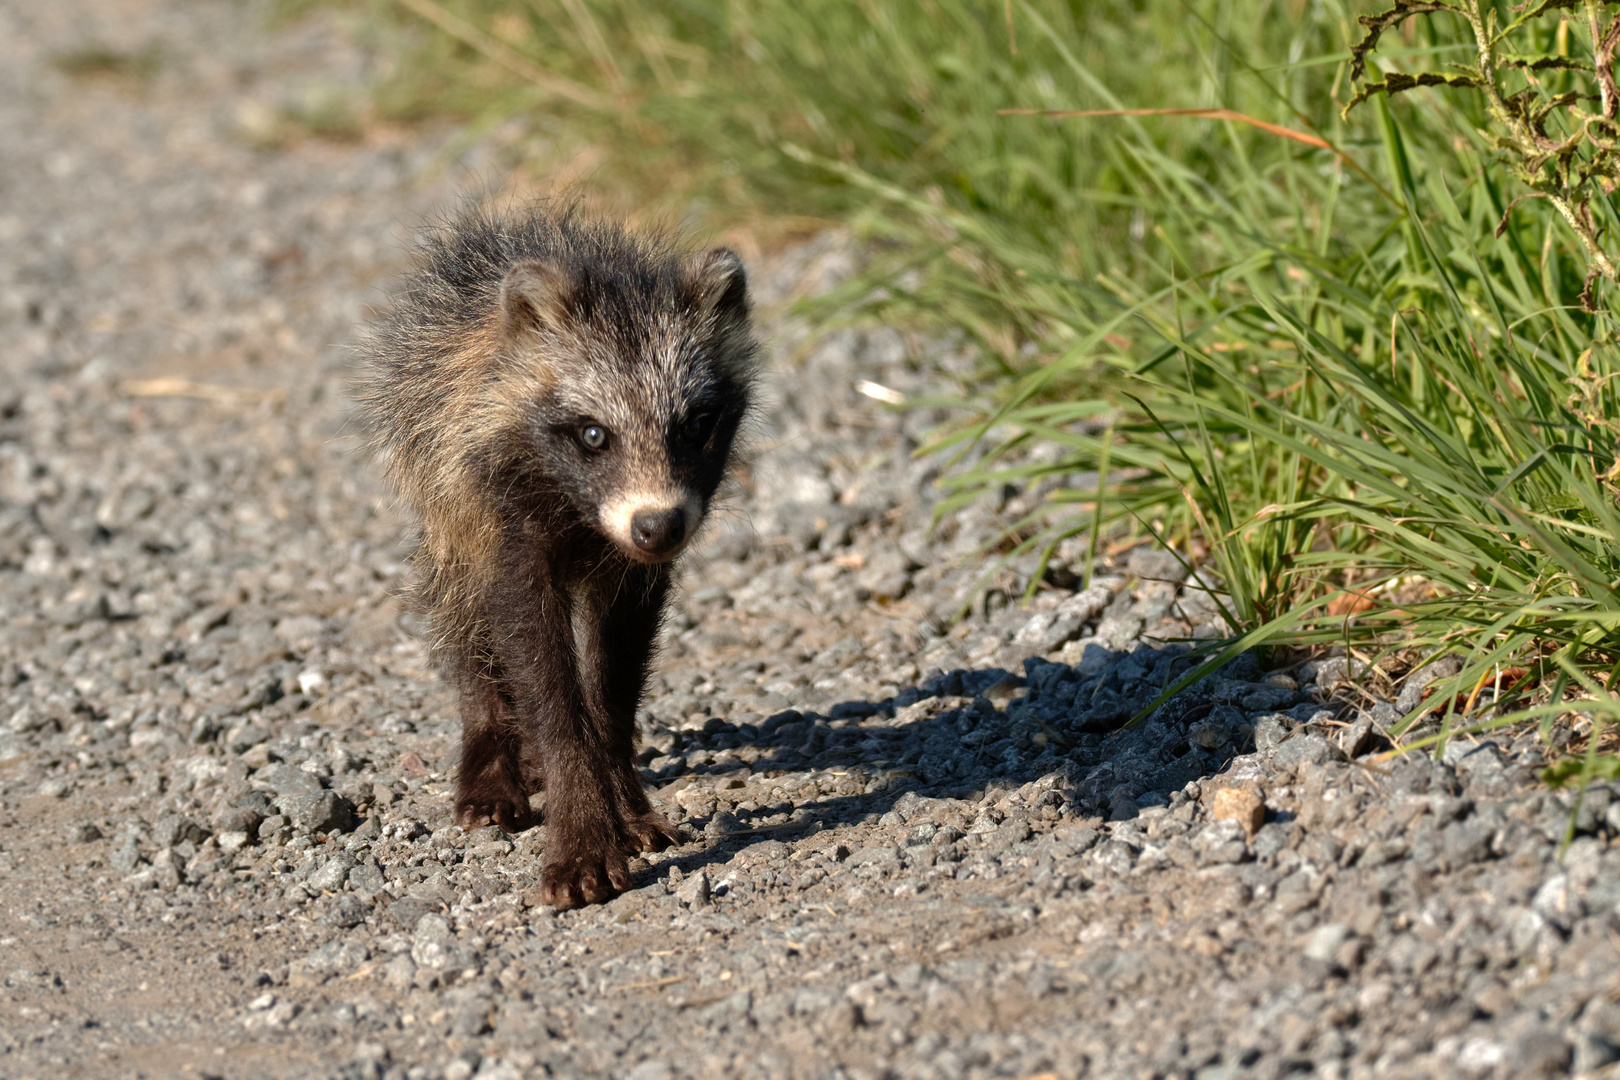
(1350, 602)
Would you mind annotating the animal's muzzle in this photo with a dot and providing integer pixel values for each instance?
(658, 532)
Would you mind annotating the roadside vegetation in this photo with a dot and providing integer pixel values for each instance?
(1323, 301)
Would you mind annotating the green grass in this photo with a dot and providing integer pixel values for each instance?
(1319, 369)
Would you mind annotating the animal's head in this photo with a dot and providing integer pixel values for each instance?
(638, 366)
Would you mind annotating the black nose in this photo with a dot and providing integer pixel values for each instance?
(658, 531)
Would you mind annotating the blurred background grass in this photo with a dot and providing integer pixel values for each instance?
(1310, 361)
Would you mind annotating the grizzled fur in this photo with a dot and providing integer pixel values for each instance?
(558, 399)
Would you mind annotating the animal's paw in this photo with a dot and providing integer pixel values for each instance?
(493, 803)
(575, 880)
(650, 832)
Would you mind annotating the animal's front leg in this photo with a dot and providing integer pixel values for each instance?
(587, 847)
(624, 647)
(490, 787)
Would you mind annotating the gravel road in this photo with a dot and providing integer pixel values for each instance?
(914, 847)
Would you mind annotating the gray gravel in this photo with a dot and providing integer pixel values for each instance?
(914, 847)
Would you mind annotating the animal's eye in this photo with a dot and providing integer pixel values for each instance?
(696, 427)
(594, 436)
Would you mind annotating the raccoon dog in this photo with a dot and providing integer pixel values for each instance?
(557, 398)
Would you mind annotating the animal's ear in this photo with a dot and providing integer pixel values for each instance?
(535, 296)
(718, 283)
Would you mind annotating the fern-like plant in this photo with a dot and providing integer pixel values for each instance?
(1555, 117)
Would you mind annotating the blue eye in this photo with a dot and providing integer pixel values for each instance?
(594, 436)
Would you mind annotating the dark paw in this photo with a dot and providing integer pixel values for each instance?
(650, 832)
(510, 810)
(585, 879)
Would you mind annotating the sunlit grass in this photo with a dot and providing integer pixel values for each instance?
(1290, 344)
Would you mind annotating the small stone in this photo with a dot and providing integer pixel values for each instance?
(231, 842)
(84, 834)
(721, 825)
(346, 911)
(299, 631)
(876, 855)
(1538, 1053)
(172, 829)
(244, 737)
(331, 874)
(242, 819)
(1270, 730)
(1118, 633)
(55, 788)
(1466, 842)
(1116, 857)
(1270, 841)
(1326, 941)
(169, 867)
(1208, 734)
(447, 956)
(1557, 902)
(1151, 564)
(694, 891)
(1417, 682)
(367, 880)
(371, 1052)
(27, 719)
(400, 972)
(408, 911)
(651, 1069)
(1474, 759)
(337, 956)
(323, 812)
(985, 823)
(1303, 749)
(285, 779)
(1311, 714)
(1527, 930)
(1593, 1052)
(1086, 605)
(1268, 698)
(1331, 671)
(147, 737)
(1357, 739)
(1239, 805)
(1222, 844)
(432, 927)
(1088, 657)
(1479, 1056)
(127, 857)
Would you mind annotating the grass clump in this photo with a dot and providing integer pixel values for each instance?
(1357, 360)
(96, 60)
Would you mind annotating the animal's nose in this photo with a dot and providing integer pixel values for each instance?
(658, 531)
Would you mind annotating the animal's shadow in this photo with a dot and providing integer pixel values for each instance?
(961, 733)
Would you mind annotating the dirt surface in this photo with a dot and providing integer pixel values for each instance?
(914, 847)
